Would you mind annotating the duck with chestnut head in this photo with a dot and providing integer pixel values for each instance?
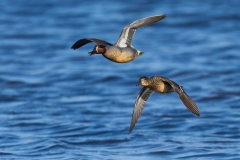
(122, 51)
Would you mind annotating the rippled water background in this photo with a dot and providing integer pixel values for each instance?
(58, 103)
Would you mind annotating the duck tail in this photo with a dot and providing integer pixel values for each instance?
(139, 52)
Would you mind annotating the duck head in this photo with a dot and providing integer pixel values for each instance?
(143, 81)
(98, 49)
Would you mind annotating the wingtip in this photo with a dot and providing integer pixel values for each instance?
(130, 129)
(163, 15)
(198, 114)
(73, 47)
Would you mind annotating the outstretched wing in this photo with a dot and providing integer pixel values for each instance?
(187, 101)
(142, 97)
(127, 33)
(84, 41)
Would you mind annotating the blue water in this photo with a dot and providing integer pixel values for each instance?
(59, 103)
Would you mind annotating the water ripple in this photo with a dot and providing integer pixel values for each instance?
(59, 103)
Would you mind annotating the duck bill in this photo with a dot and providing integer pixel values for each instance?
(92, 53)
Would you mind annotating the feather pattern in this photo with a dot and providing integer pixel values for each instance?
(161, 85)
(84, 41)
(127, 33)
(187, 101)
(142, 97)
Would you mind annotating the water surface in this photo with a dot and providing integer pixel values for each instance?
(58, 103)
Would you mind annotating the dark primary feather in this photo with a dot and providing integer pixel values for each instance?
(191, 106)
(128, 32)
(84, 41)
(187, 101)
(142, 97)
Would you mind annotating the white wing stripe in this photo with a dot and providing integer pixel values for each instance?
(123, 41)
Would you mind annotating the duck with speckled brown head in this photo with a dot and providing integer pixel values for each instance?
(161, 85)
(143, 81)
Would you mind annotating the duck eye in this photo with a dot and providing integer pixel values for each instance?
(101, 46)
